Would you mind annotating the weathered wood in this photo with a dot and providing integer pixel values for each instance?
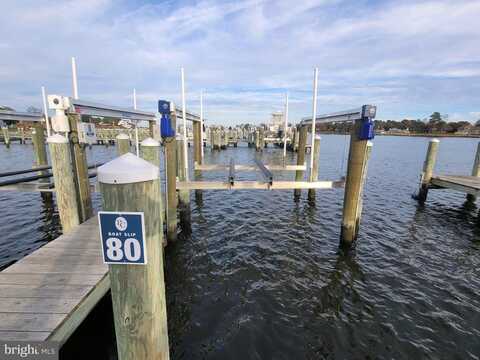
(6, 136)
(183, 195)
(171, 181)
(49, 300)
(80, 170)
(123, 144)
(475, 171)
(138, 291)
(467, 184)
(356, 172)
(302, 141)
(66, 194)
(428, 167)
(197, 154)
(150, 151)
(314, 170)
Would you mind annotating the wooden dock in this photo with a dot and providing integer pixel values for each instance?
(47, 294)
(466, 184)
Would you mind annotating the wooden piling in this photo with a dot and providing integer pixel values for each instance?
(65, 191)
(123, 144)
(6, 136)
(314, 170)
(171, 180)
(183, 195)
(428, 167)
(150, 151)
(197, 153)
(356, 173)
(302, 142)
(475, 171)
(138, 291)
(40, 155)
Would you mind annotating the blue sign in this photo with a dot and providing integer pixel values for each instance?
(123, 237)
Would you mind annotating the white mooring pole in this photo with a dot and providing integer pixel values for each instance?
(201, 123)
(314, 115)
(74, 78)
(137, 150)
(45, 110)
(184, 116)
(285, 128)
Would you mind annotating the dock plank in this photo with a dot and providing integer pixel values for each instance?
(466, 184)
(47, 294)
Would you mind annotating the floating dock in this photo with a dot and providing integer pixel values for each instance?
(47, 294)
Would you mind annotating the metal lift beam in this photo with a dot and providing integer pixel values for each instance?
(20, 116)
(366, 111)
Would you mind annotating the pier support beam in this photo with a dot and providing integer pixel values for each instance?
(138, 291)
(123, 144)
(65, 193)
(171, 180)
(80, 170)
(475, 171)
(356, 174)
(40, 155)
(150, 151)
(183, 195)
(302, 142)
(6, 136)
(428, 167)
(314, 170)
(197, 154)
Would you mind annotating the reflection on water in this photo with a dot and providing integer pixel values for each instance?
(260, 276)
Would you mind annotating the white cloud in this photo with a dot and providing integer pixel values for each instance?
(410, 58)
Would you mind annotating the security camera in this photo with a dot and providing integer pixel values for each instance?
(57, 102)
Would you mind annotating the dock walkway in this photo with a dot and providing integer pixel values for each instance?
(47, 294)
(466, 184)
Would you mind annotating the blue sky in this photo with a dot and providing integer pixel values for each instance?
(410, 58)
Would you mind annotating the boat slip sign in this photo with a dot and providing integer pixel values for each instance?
(123, 237)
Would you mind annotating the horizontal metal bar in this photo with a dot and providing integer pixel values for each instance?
(95, 109)
(221, 167)
(258, 185)
(342, 116)
(26, 171)
(189, 116)
(267, 174)
(20, 116)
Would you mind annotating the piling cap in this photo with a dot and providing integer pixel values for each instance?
(127, 169)
(123, 136)
(150, 142)
(57, 139)
(435, 140)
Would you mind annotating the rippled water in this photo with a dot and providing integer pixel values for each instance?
(260, 276)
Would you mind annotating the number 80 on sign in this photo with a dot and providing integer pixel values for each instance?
(123, 237)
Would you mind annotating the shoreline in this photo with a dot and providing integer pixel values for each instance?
(411, 135)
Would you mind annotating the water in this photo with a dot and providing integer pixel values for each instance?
(261, 277)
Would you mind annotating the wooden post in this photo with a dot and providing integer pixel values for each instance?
(428, 166)
(150, 151)
(356, 173)
(123, 144)
(171, 180)
(475, 171)
(131, 184)
(40, 155)
(6, 136)
(183, 195)
(314, 170)
(302, 142)
(65, 191)
(197, 152)
(80, 170)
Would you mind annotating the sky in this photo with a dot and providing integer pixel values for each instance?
(410, 58)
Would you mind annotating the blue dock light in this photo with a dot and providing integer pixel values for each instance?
(166, 129)
(367, 131)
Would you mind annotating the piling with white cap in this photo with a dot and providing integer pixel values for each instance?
(150, 151)
(65, 192)
(428, 167)
(171, 179)
(123, 144)
(131, 184)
